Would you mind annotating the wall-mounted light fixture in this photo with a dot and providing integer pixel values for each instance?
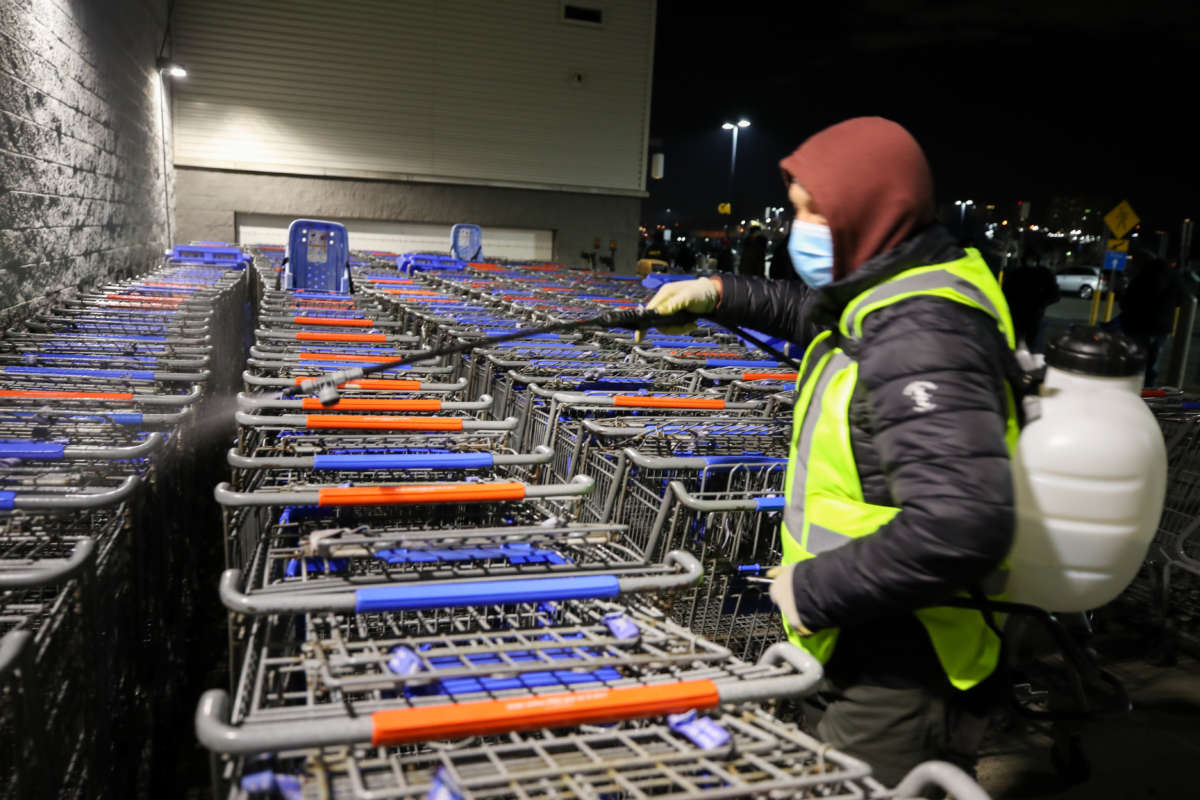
(168, 67)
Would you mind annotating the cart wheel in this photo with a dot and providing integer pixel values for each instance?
(1069, 760)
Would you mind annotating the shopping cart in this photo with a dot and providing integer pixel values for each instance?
(557, 419)
(259, 429)
(70, 622)
(600, 697)
(406, 402)
(636, 478)
(47, 725)
(386, 385)
(404, 459)
(708, 756)
(488, 365)
(512, 389)
(384, 584)
(742, 382)
(361, 335)
(251, 516)
(1166, 591)
(735, 534)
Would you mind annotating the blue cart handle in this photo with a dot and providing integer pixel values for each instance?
(447, 595)
(405, 461)
(456, 594)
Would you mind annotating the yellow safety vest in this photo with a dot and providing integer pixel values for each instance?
(825, 505)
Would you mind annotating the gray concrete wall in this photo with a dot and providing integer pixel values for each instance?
(82, 176)
(209, 200)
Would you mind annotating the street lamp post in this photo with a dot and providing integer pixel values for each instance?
(734, 127)
(962, 211)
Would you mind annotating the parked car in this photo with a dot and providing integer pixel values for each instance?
(1081, 281)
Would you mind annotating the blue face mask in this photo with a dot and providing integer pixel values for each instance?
(811, 247)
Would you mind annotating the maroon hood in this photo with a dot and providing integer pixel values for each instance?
(869, 178)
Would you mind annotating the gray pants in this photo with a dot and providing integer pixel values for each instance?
(893, 730)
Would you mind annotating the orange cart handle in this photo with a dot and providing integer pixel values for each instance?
(373, 404)
(316, 336)
(339, 322)
(418, 494)
(348, 422)
(770, 376)
(344, 357)
(634, 401)
(488, 717)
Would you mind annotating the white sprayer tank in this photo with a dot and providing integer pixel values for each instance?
(1090, 475)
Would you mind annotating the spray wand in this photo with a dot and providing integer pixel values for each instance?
(326, 387)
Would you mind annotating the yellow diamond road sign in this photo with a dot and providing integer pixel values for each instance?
(1118, 245)
(1121, 219)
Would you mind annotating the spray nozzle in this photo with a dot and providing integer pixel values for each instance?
(639, 318)
(326, 386)
(328, 394)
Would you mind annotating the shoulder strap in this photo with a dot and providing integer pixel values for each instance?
(1024, 382)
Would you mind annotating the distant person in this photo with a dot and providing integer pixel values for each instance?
(685, 257)
(754, 252)
(724, 257)
(1148, 306)
(781, 262)
(1030, 289)
(657, 250)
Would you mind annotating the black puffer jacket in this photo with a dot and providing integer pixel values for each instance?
(947, 470)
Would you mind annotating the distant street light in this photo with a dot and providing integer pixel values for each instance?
(730, 126)
(962, 210)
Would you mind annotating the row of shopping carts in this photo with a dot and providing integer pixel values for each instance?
(99, 399)
(534, 570)
(1165, 596)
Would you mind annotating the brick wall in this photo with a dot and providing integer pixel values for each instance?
(83, 195)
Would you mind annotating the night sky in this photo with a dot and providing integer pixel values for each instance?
(1018, 100)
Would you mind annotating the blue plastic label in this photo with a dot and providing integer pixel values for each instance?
(404, 661)
(704, 732)
(7, 500)
(621, 626)
(443, 787)
(272, 783)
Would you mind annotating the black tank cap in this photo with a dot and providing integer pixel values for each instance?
(1090, 350)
